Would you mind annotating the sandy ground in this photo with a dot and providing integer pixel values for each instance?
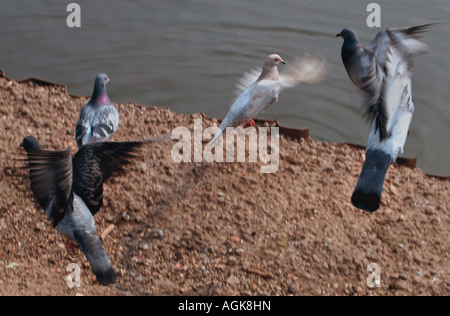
(219, 228)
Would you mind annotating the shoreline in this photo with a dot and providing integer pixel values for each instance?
(410, 162)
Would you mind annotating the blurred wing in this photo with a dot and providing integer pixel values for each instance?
(407, 37)
(395, 95)
(51, 182)
(373, 85)
(379, 46)
(246, 81)
(307, 69)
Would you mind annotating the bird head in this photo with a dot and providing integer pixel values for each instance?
(275, 60)
(349, 35)
(30, 143)
(102, 80)
(99, 96)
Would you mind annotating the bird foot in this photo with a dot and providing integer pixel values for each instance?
(250, 123)
(71, 247)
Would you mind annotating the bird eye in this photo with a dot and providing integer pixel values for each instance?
(277, 60)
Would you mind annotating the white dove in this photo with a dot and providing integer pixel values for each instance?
(259, 89)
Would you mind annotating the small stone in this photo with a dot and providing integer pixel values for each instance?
(232, 280)
(157, 233)
(144, 246)
(316, 259)
(417, 260)
(12, 265)
(232, 261)
(293, 289)
(403, 277)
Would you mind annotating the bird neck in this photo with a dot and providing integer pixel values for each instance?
(269, 73)
(349, 50)
(99, 96)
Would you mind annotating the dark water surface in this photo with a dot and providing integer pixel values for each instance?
(188, 55)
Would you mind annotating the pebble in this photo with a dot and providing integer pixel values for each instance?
(12, 265)
(233, 280)
(144, 246)
(157, 233)
(294, 289)
(232, 261)
(316, 259)
(403, 277)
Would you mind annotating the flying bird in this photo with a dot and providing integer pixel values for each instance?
(99, 118)
(70, 190)
(383, 70)
(259, 88)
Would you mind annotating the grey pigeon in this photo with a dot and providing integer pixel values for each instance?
(260, 88)
(383, 70)
(70, 190)
(99, 119)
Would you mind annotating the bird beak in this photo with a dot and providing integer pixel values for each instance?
(339, 35)
(283, 62)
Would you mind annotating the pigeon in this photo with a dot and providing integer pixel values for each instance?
(99, 119)
(365, 66)
(70, 190)
(384, 71)
(259, 88)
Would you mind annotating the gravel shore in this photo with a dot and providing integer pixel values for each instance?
(219, 228)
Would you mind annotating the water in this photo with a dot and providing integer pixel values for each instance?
(188, 55)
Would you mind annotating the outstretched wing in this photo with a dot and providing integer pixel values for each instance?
(96, 163)
(51, 182)
(407, 36)
(389, 46)
(306, 69)
(395, 95)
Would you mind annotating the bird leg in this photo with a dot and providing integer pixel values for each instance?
(250, 123)
(71, 247)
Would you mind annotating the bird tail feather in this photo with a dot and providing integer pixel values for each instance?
(92, 247)
(219, 133)
(367, 195)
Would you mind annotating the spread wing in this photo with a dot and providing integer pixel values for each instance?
(51, 182)
(388, 46)
(306, 69)
(395, 94)
(95, 163)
